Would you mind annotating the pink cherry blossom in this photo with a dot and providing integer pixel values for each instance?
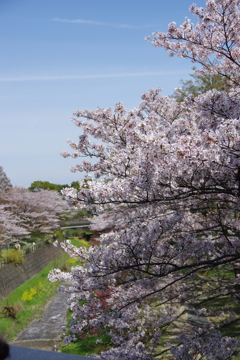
(165, 188)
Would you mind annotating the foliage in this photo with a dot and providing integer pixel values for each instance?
(169, 211)
(200, 84)
(37, 290)
(13, 256)
(77, 232)
(59, 234)
(75, 185)
(28, 295)
(88, 233)
(46, 185)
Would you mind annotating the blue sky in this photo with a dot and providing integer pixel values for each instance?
(58, 56)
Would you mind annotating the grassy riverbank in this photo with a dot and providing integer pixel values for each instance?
(27, 302)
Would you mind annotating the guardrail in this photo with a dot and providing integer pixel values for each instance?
(21, 353)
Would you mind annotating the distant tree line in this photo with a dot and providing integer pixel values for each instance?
(46, 185)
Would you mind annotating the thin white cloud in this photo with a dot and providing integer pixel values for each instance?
(100, 23)
(89, 76)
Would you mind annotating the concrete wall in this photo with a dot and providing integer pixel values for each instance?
(12, 276)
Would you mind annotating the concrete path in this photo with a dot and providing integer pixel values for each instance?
(45, 332)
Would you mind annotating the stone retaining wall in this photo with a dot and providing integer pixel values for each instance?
(12, 276)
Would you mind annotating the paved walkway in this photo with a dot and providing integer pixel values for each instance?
(45, 332)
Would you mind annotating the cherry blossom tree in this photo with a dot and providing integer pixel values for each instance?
(36, 212)
(10, 231)
(5, 183)
(167, 183)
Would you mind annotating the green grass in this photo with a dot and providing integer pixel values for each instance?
(79, 242)
(87, 345)
(33, 306)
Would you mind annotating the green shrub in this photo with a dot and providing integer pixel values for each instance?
(78, 232)
(59, 234)
(13, 256)
(28, 295)
(48, 240)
